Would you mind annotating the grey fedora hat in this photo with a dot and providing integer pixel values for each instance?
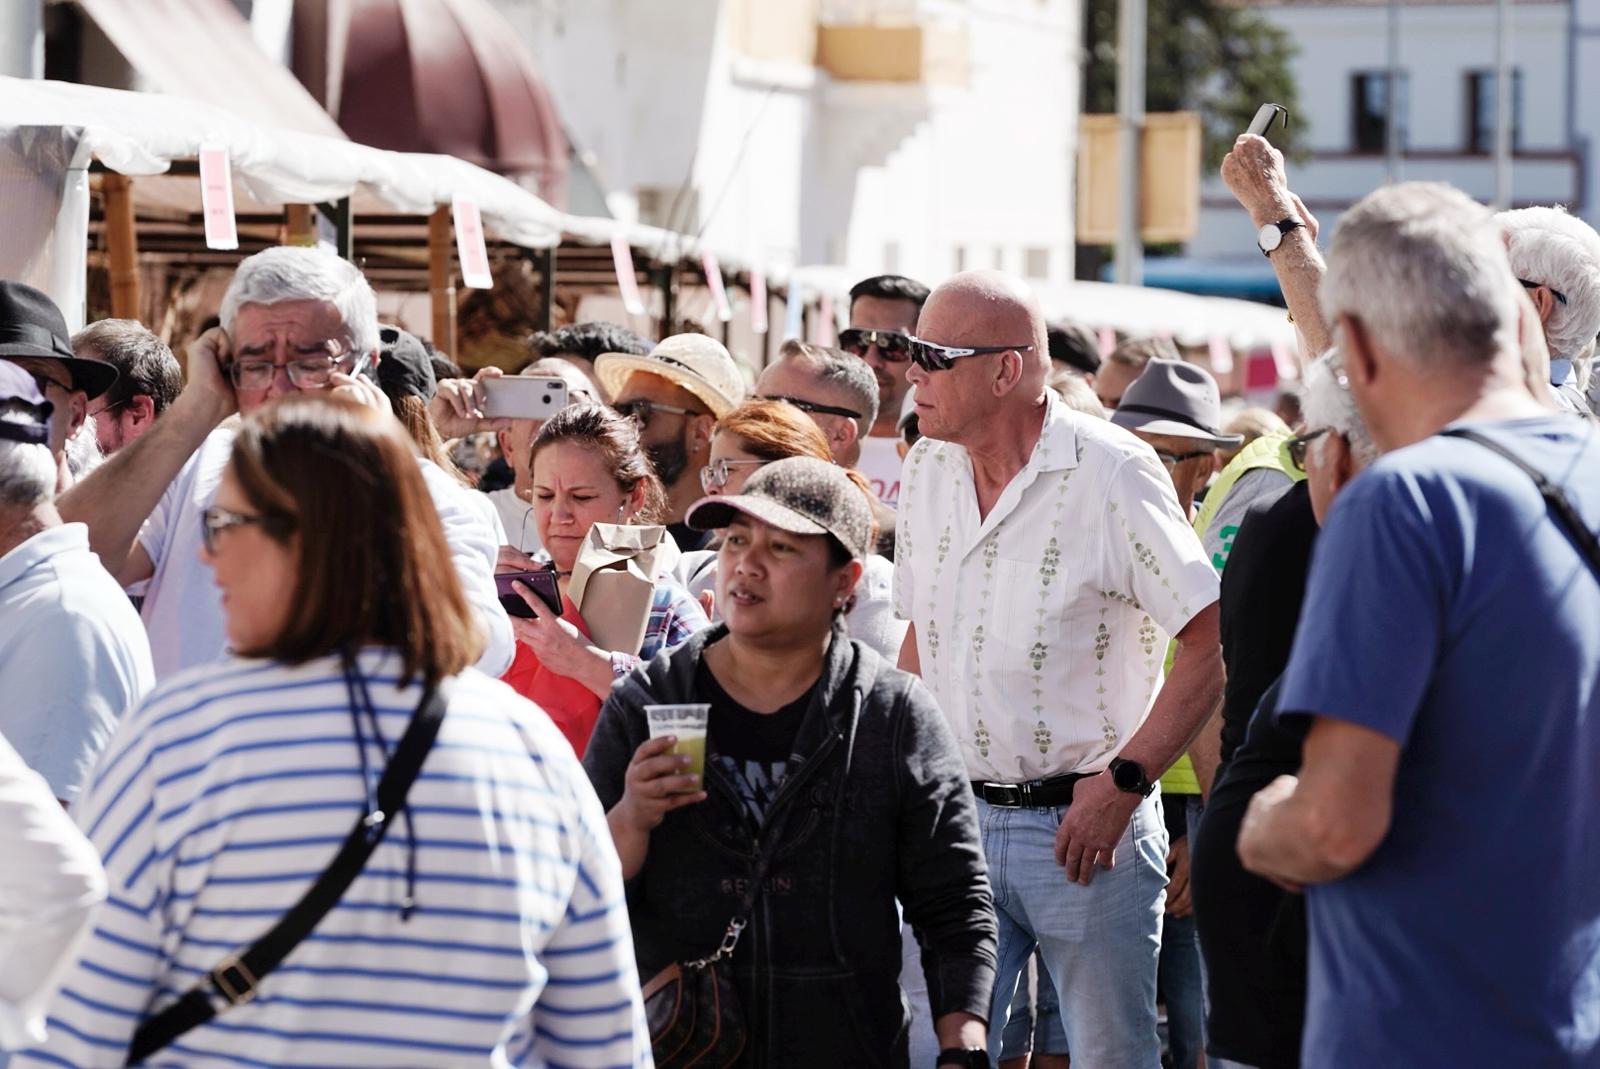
(1176, 398)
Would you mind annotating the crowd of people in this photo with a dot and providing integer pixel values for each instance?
(989, 700)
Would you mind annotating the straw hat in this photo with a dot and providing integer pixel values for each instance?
(696, 362)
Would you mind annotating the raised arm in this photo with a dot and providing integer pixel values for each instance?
(1254, 172)
(115, 499)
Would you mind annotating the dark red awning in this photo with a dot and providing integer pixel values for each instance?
(447, 76)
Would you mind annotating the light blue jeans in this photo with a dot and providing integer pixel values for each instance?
(1100, 943)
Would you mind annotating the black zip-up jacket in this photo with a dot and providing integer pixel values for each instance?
(881, 810)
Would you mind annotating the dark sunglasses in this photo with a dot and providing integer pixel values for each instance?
(812, 406)
(893, 345)
(1297, 447)
(931, 356)
(216, 519)
(641, 410)
(1557, 294)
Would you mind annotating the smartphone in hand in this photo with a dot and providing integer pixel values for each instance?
(522, 397)
(1265, 115)
(543, 582)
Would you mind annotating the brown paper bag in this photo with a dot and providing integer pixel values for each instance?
(614, 579)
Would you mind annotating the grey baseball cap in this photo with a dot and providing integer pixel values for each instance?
(1177, 398)
(801, 495)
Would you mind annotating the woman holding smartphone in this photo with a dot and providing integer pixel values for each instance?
(588, 467)
(826, 758)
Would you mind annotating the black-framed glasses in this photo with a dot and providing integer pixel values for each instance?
(1172, 460)
(641, 410)
(714, 476)
(813, 406)
(216, 519)
(1557, 294)
(1298, 446)
(311, 369)
(931, 356)
(893, 345)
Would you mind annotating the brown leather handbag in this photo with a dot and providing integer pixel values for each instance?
(693, 1011)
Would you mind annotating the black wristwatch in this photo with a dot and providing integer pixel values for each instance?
(964, 1058)
(1129, 776)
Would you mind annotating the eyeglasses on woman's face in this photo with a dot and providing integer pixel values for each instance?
(715, 475)
(216, 520)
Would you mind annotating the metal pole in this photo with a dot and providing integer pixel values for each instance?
(1391, 118)
(22, 39)
(1503, 116)
(1129, 268)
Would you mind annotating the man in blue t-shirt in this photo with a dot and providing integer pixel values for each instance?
(1446, 818)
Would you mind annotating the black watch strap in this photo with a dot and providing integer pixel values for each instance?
(964, 1057)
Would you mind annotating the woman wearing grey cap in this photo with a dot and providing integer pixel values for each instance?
(832, 788)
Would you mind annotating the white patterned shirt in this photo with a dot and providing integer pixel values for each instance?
(1042, 628)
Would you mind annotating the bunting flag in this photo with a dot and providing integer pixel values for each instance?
(719, 291)
(1221, 356)
(627, 281)
(758, 301)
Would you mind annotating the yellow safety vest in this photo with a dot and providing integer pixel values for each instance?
(1270, 452)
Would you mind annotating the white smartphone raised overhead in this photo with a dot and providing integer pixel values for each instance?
(522, 397)
(1265, 115)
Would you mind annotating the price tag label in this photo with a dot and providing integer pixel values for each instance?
(471, 249)
(216, 198)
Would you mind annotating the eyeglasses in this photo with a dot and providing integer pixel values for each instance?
(1172, 460)
(641, 410)
(111, 408)
(812, 406)
(306, 372)
(931, 356)
(1297, 446)
(714, 476)
(1557, 294)
(893, 345)
(216, 519)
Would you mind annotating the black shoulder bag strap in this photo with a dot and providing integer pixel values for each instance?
(235, 979)
(1562, 508)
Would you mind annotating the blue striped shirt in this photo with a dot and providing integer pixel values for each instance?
(232, 786)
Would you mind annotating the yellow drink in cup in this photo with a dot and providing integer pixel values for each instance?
(688, 723)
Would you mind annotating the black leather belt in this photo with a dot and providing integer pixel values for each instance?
(1044, 793)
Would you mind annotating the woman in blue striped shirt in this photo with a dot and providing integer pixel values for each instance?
(487, 928)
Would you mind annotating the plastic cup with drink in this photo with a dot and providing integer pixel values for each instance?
(688, 724)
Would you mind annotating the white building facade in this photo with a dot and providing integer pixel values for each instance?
(1446, 60)
(911, 136)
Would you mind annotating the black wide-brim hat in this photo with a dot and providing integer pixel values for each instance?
(32, 325)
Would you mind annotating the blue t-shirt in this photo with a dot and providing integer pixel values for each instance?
(1447, 610)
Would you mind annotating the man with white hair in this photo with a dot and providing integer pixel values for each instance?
(1556, 257)
(292, 319)
(72, 653)
(1445, 663)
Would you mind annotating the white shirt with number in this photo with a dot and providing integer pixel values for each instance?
(1042, 627)
(880, 463)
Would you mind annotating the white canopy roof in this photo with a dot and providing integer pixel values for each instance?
(140, 134)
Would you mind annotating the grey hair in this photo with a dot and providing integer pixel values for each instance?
(1077, 394)
(1423, 268)
(83, 450)
(294, 273)
(1548, 246)
(845, 372)
(1325, 402)
(27, 470)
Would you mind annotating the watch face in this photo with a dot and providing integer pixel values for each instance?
(1269, 237)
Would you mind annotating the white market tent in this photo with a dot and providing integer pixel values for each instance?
(52, 134)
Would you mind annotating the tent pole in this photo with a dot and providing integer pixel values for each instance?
(440, 286)
(298, 228)
(122, 242)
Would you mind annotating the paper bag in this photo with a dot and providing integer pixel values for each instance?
(614, 579)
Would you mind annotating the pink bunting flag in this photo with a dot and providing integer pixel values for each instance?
(627, 281)
(719, 291)
(758, 301)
